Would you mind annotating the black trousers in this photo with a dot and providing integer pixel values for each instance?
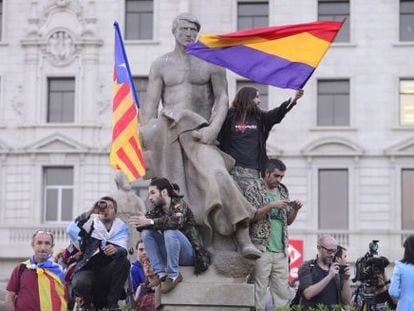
(102, 285)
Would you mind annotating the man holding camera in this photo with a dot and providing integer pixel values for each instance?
(323, 281)
(372, 293)
(100, 275)
(268, 232)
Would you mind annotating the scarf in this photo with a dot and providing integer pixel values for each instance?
(118, 234)
(52, 290)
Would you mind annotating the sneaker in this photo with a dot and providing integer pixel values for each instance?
(169, 284)
(157, 280)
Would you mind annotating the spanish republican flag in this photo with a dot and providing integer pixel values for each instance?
(126, 150)
(282, 56)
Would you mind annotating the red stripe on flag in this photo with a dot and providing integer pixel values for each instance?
(127, 161)
(54, 296)
(120, 95)
(325, 30)
(134, 145)
(124, 121)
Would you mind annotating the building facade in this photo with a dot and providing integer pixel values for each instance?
(348, 144)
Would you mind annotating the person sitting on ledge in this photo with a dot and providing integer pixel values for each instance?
(100, 275)
(170, 235)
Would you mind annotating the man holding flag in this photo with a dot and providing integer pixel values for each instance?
(37, 283)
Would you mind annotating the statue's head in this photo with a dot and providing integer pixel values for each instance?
(185, 28)
(121, 181)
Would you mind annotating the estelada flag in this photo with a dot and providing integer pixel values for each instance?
(282, 56)
(126, 150)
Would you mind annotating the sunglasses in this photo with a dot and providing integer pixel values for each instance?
(328, 250)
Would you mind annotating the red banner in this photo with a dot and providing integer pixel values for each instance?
(296, 258)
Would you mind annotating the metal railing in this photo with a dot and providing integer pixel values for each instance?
(23, 235)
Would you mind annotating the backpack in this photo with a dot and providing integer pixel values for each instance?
(297, 300)
(22, 267)
(68, 259)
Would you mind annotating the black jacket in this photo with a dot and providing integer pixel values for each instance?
(89, 245)
(265, 121)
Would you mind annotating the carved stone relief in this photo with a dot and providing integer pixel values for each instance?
(60, 48)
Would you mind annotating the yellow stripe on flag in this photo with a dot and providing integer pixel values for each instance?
(130, 131)
(60, 289)
(44, 291)
(302, 48)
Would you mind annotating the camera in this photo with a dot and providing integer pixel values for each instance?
(102, 205)
(368, 269)
(342, 269)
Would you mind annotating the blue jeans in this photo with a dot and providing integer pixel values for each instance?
(167, 250)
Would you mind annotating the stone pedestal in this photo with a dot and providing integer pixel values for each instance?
(208, 291)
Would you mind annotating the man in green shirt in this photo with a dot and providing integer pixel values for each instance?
(268, 231)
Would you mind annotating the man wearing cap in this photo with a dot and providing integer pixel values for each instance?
(100, 275)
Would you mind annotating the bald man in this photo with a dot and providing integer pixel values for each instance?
(320, 281)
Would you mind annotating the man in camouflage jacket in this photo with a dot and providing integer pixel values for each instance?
(268, 231)
(170, 235)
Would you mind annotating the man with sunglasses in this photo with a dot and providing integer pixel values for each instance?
(320, 279)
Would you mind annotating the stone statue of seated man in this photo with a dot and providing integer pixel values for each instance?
(179, 141)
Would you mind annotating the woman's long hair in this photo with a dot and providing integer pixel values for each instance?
(409, 250)
(243, 103)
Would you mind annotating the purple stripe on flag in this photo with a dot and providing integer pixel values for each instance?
(255, 65)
